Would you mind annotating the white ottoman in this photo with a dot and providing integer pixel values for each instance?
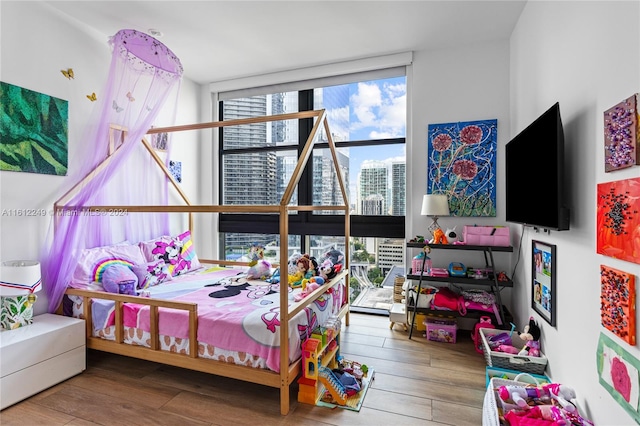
(398, 314)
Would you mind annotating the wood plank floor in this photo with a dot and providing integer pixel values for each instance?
(416, 382)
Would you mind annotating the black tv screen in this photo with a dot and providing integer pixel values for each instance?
(535, 174)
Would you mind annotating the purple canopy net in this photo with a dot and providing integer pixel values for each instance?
(141, 92)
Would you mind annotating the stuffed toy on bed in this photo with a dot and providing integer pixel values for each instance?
(119, 279)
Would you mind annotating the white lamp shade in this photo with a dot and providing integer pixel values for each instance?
(435, 205)
(19, 278)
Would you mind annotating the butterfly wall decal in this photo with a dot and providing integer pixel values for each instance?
(92, 97)
(116, 107)
(68, 73)
(130, 97)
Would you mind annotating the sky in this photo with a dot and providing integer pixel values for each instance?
(368, 110)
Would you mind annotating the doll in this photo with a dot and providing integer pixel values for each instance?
(302, 267)
(531, 335)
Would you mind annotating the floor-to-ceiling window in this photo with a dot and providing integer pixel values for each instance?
(367, 119)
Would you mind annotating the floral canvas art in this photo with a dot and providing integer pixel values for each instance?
(618, 303)
(618, 219)
(461, 163)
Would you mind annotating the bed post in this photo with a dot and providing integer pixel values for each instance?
(284, 310)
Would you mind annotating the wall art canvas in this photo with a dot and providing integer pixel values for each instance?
(160, 141)
(618, 303)
(618, 374)
(462, 164)
(618, 219)
(34, 131)
(175, 167)
(622, 135)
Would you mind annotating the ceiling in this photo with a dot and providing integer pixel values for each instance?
(221, 40)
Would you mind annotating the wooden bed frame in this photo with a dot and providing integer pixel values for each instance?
(289, 372)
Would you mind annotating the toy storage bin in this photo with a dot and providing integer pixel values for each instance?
(486, 236)
(420, 321)
(492, 404)
(441, 330)
(519, 376)
(525, 363)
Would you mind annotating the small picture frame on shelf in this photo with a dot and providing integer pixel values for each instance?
(543, 280)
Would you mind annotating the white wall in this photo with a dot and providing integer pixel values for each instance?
(37, 43)
(465, 84)
(586, 56)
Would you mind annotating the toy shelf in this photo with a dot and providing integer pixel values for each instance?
(492, 282)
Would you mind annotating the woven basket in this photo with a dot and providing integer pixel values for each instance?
(528, 364)
(397, 289)
(492, 405)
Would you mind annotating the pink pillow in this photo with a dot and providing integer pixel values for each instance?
(177, 252)
(151, 273)
(93, 262)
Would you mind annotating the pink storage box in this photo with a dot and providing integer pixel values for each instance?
(441, 330)
(486, 236)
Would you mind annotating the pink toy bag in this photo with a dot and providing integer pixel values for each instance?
(484, 322)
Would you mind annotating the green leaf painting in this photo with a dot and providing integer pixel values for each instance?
(33, 131)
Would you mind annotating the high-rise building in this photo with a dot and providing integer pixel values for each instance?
(398, 188)
(373, 181)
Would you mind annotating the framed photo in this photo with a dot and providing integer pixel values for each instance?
(543, 280)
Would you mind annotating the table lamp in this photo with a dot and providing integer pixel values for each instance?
(19, 281)
(434, 206)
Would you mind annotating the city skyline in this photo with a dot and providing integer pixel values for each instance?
(363, 111)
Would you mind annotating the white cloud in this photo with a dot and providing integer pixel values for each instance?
(339, 123)
(383, 109)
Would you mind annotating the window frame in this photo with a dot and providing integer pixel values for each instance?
(305, 224)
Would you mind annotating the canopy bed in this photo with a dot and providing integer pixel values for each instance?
(185, 321)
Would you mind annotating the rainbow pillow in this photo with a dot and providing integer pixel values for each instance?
(93, 262)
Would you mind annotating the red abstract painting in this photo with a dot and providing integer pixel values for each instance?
(618, 219)
(618, 303)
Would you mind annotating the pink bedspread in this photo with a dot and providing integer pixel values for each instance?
(238, 316)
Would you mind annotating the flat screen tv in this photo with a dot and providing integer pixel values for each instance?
(535, 168)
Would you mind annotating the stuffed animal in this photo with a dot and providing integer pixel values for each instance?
(261, 270)
(531, 335)
(562, 394)
(292, 264)
(439, 237)
(451, 235)
(325, 270)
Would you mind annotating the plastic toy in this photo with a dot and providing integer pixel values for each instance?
(531, 335)
(451, 235)
(439, 237)
(560, 393)
(457, 269)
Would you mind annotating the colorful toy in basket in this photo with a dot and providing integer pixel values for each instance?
(531, 334)
(484, 322)
(562, 394)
